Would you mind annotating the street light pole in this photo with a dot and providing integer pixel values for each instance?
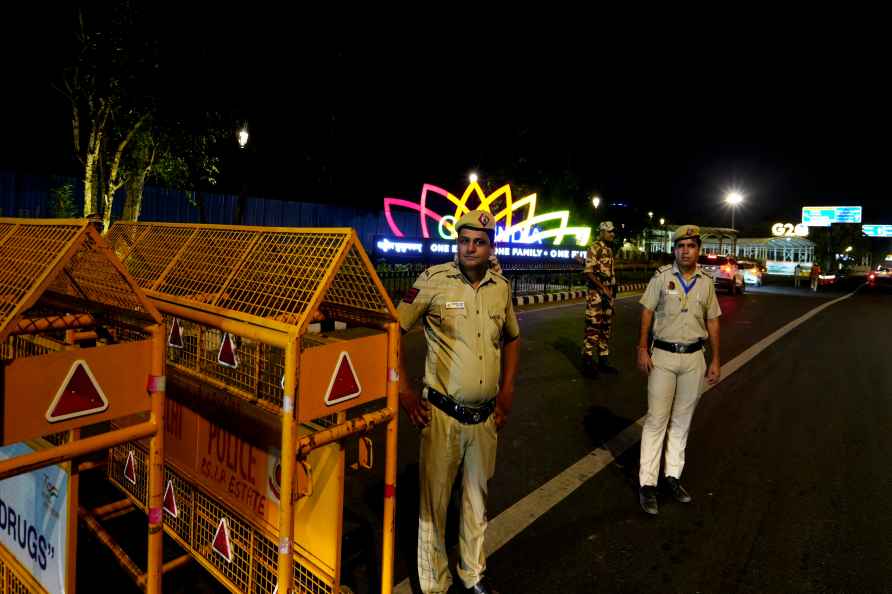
(733, 198)
(242, 203)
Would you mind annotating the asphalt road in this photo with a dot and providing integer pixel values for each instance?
(786, 462)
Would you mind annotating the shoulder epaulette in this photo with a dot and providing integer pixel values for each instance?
(439, 269)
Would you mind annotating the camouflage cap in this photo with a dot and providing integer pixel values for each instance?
(476, 219)
(606, 226)
(686, 232)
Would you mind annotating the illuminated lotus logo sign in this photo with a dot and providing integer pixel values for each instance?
(517, 220)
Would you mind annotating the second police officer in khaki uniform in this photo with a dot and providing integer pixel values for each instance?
(472, 349)
(601, 280)
(681, 302)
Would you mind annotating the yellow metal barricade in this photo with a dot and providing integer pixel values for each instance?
(79, 345)
(250, 378)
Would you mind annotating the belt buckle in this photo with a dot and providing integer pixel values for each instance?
(682, 348)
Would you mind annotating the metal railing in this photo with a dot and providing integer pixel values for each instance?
(525, 279)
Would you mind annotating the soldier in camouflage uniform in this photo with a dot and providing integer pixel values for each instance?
(601, 281)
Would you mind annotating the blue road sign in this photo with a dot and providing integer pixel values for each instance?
(824, 216)
(877, 230)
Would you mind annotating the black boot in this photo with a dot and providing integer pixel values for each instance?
(604, 366)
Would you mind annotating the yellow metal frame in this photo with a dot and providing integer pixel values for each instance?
(15, 579)
(66, 256)
(49, 269)
(259, 570)
(267, 284)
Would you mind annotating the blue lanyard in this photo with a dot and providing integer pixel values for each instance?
(687, 288)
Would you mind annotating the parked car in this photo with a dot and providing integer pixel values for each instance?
(725, 272)
(752, 272)
(881, 277)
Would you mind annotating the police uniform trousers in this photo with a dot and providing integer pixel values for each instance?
(446, 444)
(674, 387)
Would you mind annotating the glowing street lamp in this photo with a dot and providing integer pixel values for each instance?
(848, 249)
(650, 214)
(472, 178)
(243, 137)
(733, 198)
(596, 201)
(662, 221)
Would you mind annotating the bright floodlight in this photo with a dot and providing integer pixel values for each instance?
(243, 137)
(473, 178)
(734, 198)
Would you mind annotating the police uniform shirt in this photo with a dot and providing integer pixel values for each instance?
(464, 328)
(665, 295)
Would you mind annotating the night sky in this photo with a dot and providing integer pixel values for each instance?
(660, 117)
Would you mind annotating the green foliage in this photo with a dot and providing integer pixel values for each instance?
(188, 151)
(62, 202)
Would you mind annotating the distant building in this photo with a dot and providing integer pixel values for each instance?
(778, 254)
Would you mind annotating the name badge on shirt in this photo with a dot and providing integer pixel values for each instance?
(671, 292)
(455, 305)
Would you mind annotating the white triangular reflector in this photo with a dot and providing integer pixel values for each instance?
(130, 468)
(78, 396)
(344, 384)
(170, 500)
(222, 545)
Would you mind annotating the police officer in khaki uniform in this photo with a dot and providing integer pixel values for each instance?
(681, 302)
(472, 349)
(601, 280)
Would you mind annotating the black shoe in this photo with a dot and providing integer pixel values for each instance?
(589, 369)
(481, 587)
(604, 366)
(677, 490)
(647, 497)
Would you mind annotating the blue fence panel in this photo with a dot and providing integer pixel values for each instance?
(29, 196)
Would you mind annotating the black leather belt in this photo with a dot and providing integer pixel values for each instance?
(677, 347)
(463, 413)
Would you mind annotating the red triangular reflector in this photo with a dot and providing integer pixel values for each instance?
(175, 338)
(130, 468)
(226, 356)
(221, 543)
(344, 384)
(78, 396)
(170, 500)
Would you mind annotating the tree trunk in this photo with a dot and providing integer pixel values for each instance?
(108, 199)
(133, 197)
(89, 185)
(93, 164)
(202, 207)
